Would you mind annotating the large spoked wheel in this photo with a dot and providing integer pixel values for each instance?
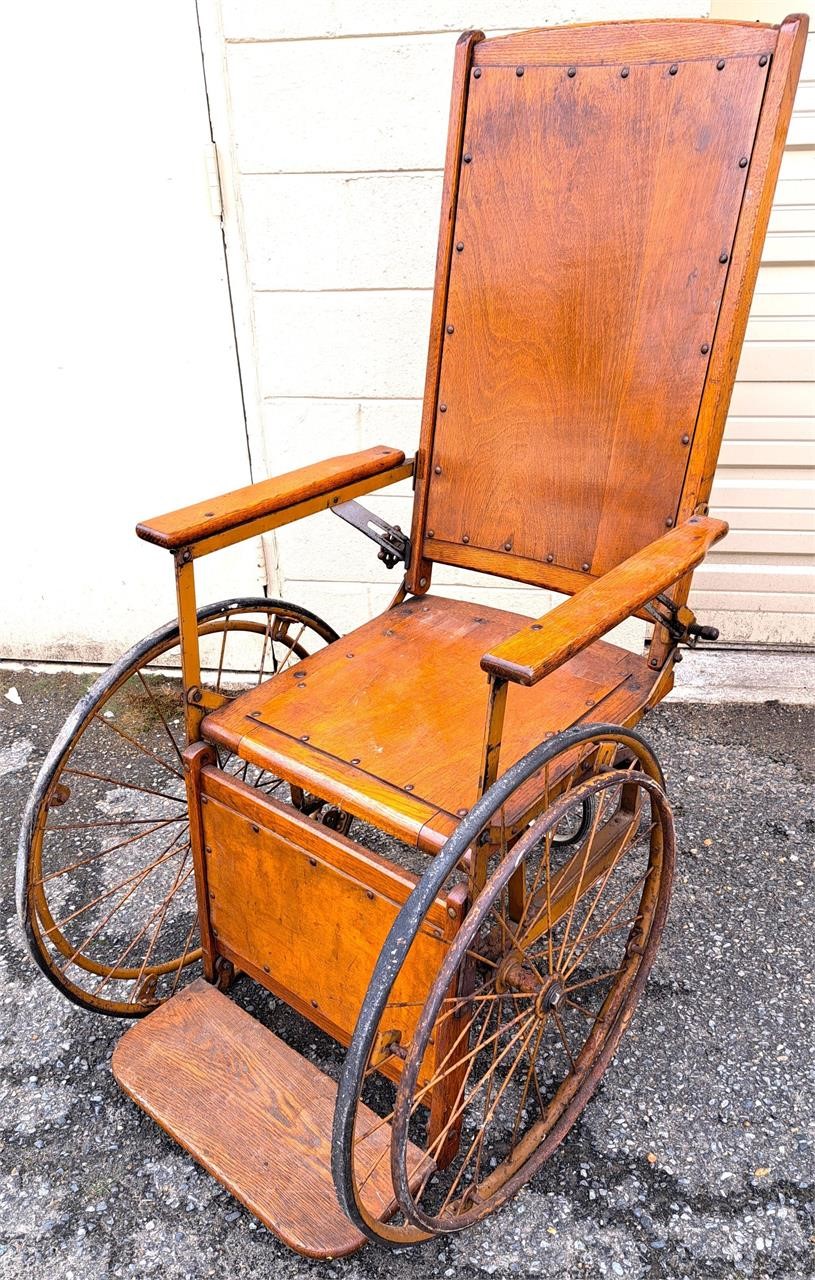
(538, 986)
(105, 882)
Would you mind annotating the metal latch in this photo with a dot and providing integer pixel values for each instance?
(394, 546)
(680, 621)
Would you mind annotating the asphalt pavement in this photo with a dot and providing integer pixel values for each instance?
(696, 1158)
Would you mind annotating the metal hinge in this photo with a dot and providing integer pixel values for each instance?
(216, 204)
(679, 621)
(394, 546)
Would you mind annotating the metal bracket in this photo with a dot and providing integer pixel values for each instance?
(679, 621)
(394, 546)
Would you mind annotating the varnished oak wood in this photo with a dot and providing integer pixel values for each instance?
(252, 1111)
(314, 938)
(543, 646)
(611, 43)
(402, 702)
(269, 498)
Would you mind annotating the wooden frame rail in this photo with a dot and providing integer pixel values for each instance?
(536, 650)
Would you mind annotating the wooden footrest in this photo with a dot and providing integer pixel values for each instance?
(251, 1110)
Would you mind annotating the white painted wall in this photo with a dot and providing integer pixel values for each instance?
(120, 395)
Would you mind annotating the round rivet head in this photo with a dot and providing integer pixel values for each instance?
(354, 760)
(460, 246)
(720, 65)
(507, 546)
(451, 328)
(409, 786)
(743, 162)
(550, 558)
(624, 73)
(437, 470)
(423, 582)
(442, 408)
(724, 257)
(465, 537)
(686, 439)
(585, 568)
(672, 70)
(519, 71)
(669, 524)
(431, 533)
(705, 347)
(572, 72)
(477, 73)
(467, 158)
(763, 60)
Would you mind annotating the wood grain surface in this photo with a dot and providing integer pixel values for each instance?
(389, 720)
(252, 1111)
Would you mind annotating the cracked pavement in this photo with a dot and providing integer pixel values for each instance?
(696, 1158)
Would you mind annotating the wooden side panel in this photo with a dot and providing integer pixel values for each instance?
(306, 912)
(595, 221)
(253, 1112)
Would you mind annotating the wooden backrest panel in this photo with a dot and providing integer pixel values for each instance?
(600, 176)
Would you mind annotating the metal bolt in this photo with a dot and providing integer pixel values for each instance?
(442, 408)
(572, 72)
(743, 162)
(266, 969)
(304, 737)
(460, 246)
(653, 663)
(349, 655)
(467, 158)
(355, 760)
(720, 65)
(462, 813)
(186, 556)
(437, 470)
(423, 582)
(669, 523)
(519, 71)
(312, 862)
(477, 73)
(431, 533)
(686, 439)
(624, 73)
(550, 558)
(450, 328)
(195, 694)
(207, 848)
(255, 828)
(763, 60)
(585, 568)
(705, 347)
(536, 626)
(369, 893)
(723, 258)
(409, 786)
(204, 800)
(465, 537)
(673, 70)
(314, 1004)
(301, 684)
(507, 546)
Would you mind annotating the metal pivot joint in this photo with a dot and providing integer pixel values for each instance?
(680, 622)
(394, 545)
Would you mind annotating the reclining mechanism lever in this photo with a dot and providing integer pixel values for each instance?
(394, 545)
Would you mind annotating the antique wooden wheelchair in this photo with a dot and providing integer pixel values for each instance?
(439, 839)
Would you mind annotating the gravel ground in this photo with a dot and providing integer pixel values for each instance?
(696, 1158)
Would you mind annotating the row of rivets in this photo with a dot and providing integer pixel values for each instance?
(571, 72)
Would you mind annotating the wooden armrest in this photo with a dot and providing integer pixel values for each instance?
(275, 501)
(535, 651)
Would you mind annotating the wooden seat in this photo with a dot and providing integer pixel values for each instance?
(252, 1111)
(389, 721)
